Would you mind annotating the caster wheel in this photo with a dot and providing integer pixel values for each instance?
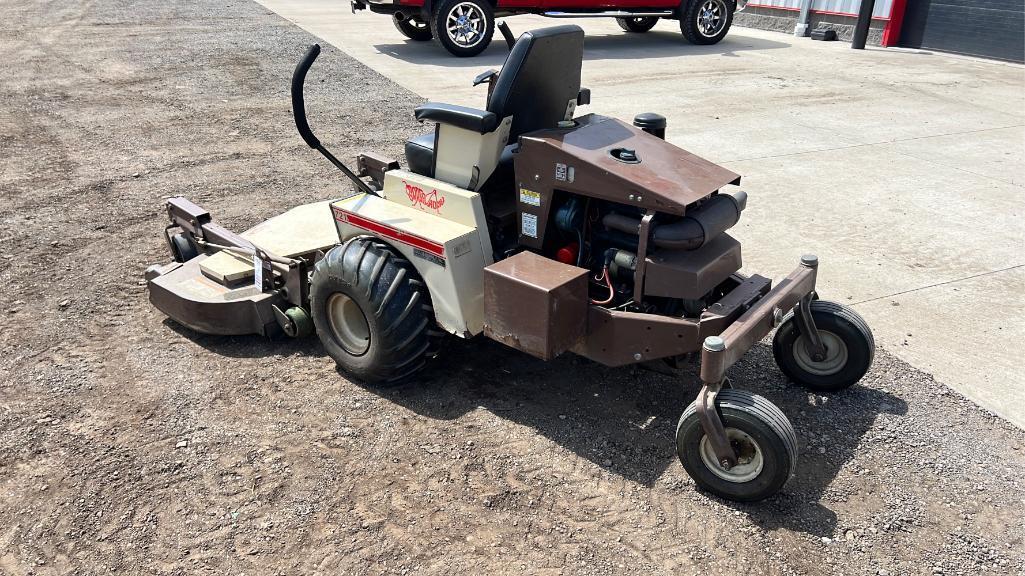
(849, 348)
(300, 322)
(182, 248)
(761, 436)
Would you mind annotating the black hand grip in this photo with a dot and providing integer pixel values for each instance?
(507, 34)
(298, 103)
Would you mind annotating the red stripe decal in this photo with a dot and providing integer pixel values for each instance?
(389, 232)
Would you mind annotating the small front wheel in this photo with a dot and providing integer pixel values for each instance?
(412, 28)
(706, 21)
(848, 342)
(762, 439)
(463, 27)
(637, 24)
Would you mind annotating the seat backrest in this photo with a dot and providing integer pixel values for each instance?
(540, 77)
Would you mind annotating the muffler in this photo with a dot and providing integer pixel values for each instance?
(717, 215)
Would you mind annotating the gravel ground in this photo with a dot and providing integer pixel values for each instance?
(131, 446)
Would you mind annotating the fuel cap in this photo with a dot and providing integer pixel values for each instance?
(628, 155)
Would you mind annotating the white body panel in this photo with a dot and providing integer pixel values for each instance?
(458, 152)
(440, 229)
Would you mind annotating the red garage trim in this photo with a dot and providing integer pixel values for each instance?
(389, 232)
(891, 34)
(826, 12)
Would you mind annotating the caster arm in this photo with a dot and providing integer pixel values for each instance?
(720, 352)
(754, 324)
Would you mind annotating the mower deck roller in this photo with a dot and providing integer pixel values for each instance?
(545, 230)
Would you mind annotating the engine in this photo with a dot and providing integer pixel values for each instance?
(605, 238)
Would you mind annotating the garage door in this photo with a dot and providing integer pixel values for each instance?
(991, 28)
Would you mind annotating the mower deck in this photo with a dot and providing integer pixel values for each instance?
(215, 294)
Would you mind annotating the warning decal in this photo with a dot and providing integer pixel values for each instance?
(528, 225)
(530, 197)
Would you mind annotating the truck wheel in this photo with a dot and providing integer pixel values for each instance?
(761, 436)
(372, 311)
(641, 24)
(706, 21)
(849, 348)
(463, 27)
(412, 28)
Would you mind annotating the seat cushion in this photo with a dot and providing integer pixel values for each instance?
(420, 154)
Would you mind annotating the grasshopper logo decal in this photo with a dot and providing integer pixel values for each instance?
(421, 199)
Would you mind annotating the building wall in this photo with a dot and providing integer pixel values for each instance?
(785, 20)
(881, 9)
(990, 28)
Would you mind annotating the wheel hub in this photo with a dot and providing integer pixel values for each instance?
(834, 359)
(749, 457)
(348, 324)
(465, 24)
(710, 18)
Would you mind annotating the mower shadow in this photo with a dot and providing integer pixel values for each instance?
(624, 419)
(652, 45)
(251, 346)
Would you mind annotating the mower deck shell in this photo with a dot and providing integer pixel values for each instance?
(193, 300)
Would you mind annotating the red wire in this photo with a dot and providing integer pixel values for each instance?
(608, 282)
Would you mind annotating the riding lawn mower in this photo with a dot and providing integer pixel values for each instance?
(546, 231)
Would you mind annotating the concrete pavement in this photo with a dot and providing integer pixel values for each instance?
(903, 170)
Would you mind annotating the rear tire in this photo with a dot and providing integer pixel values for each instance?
(761, 436)
(706, 22)
(372, 312)
(413, 28)
(638, 25)
(463, 27)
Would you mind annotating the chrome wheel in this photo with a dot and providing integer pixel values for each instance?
(465, 24)
(749, 457)
(834, 360)
(348, 324)
(711, 17)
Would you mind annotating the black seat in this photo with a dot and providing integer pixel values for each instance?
(540, 77)
(420, 154)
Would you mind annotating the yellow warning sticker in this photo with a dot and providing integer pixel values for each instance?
(530, 197)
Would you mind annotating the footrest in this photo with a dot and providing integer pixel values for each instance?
(227, 268)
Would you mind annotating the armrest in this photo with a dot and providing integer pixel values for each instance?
(459, 116)
(485, 76)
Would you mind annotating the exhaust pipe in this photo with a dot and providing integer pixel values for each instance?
(400, 16)
(717, 215)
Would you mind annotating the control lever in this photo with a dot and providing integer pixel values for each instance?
(507, 34)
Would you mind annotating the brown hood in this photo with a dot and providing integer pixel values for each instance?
(666, 178)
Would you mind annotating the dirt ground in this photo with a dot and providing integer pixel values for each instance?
(129, 445)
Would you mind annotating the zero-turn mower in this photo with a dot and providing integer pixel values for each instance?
(543, 230)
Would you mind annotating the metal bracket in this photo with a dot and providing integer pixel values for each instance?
(286, 324)
(806, 326)
(711, 423)
(642, 255)
(714, 430)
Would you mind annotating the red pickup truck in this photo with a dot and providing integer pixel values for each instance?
(465, 27)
